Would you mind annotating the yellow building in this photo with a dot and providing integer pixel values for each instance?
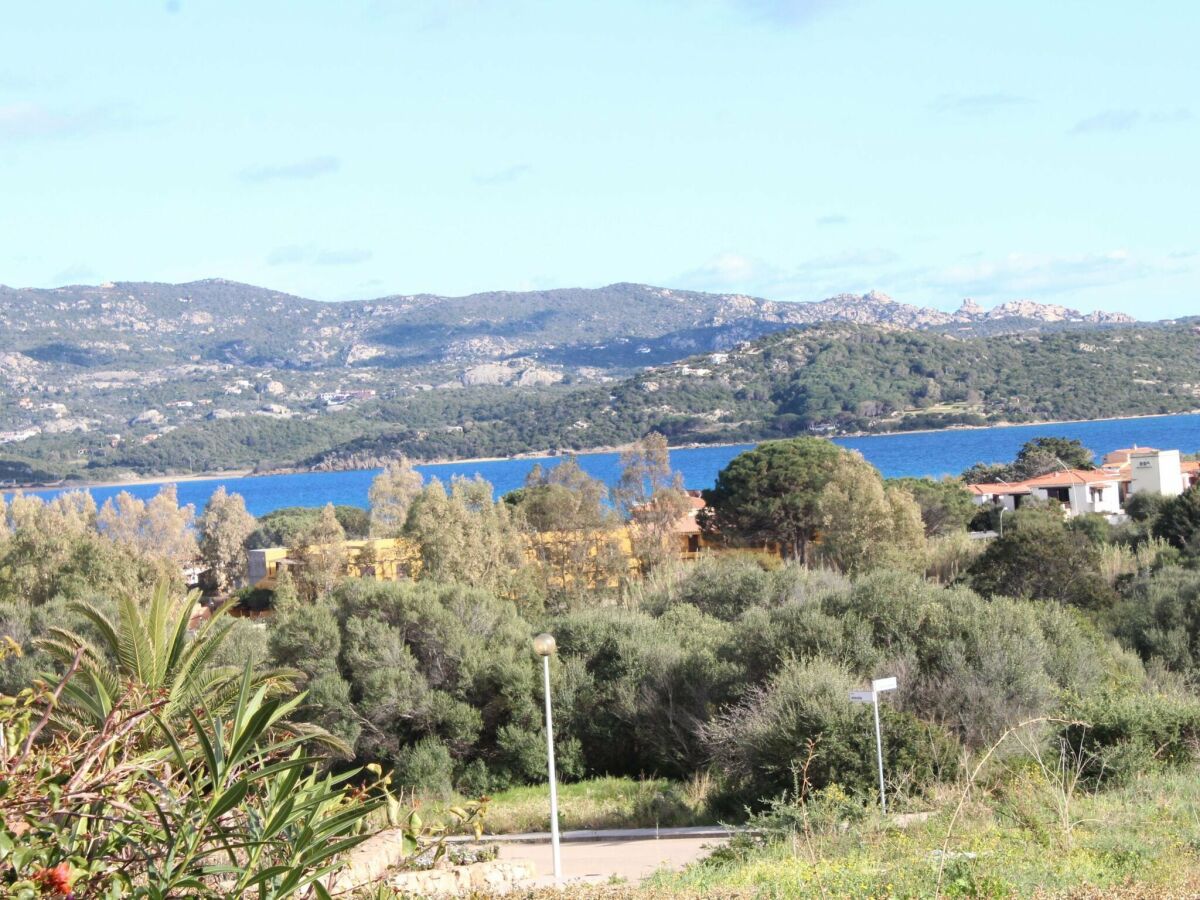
(384, 559)
(391, 559)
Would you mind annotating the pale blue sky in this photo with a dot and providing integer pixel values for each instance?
(790, 149)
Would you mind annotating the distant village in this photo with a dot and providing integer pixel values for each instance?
(1103, 490)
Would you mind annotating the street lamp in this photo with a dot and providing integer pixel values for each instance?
(545, 647)
(872, 696)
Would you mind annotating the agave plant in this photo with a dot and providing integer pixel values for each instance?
(151, 654)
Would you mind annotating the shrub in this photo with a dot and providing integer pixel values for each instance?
(1127, 732)
(1040, 558)
(758, 743)
(427, 769)
(1160, 619)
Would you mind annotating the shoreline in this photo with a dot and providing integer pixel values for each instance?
(551, 454)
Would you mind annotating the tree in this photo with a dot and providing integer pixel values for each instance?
(946, 505)
(306, 637)
(225, 526)
(645, 470)
(1160, 619)
(1036, 457)
(159, 527)
(284, 527)
(1179, 520)
(864, 525)
(1040, 558)
(769, 494)
(321, 550)
(466, 537)
(54, 551)
(652, 499)
(390, 496)
(572, 530)
(1049, 454)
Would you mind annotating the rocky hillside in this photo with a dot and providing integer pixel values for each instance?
(140, 376)
(591, 332)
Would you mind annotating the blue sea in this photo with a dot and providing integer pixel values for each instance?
(933, 453)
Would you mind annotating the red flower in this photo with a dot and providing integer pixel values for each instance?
(55, 881)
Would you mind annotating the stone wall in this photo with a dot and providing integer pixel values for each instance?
(497, 877)
(373, 861)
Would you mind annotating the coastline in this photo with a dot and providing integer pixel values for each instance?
(551, 454)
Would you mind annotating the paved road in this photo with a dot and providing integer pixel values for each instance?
(600, 860)
(606, 834)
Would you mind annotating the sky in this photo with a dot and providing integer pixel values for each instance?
(788, 149)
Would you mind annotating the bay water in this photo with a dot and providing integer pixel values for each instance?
(931, 453)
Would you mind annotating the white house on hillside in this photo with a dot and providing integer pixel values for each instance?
(1137, 470)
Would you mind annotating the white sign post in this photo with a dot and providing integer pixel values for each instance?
(872, 697)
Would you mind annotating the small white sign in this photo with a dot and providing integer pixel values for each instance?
(862, 696)
(884, 684)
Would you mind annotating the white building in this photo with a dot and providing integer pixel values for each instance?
(1080, 490)
(1137, 470)
(1156, 472)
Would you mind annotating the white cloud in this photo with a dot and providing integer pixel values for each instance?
(503, 176)
(1042, 276)
(313, 167)
(1113, 121)
(33, 121)
(78, 273)
(785, 12)
(812, 278)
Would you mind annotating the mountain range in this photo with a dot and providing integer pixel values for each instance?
(618, 327)
(147, 377)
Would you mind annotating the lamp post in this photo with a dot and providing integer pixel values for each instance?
(545, 646)
(872, 696)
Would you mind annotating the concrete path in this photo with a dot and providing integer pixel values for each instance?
(712, 832)
(598, 861)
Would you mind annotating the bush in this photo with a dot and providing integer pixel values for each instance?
(1160, 619)
(1127, 733)
(1040, 558)
(427, 769)
(761, 741)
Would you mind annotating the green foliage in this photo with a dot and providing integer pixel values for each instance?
(946, 505)
(52, 549)
(420, 660)
(1040, 558)
(286, 526)
(1144, 507)
(1038, 456)
(465, 536)
(1178, 520)
(1121, 734)
(1159, 617)
(770, 494)
(149, 652)
(427, 768)
(865, 525)
(574, 533)
(759, 742)
(225, 526)
(391, 493)
(216, 805)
